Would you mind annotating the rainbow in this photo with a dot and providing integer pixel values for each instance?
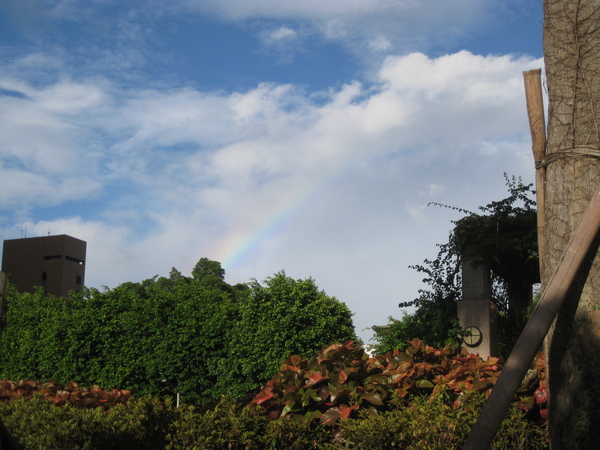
(240, 246)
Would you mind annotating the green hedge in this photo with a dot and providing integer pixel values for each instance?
(437, 423)
(35, 423)
(426, 422)
(197, 337)
(232, 426)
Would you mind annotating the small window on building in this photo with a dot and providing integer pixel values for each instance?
(78, 279)
(75, 260)
(44, 276)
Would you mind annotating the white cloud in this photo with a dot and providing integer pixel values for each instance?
(26, 189)
(280, 34)
(329, 189)
(313, 9)
(405, 22)
(46, 155)
(67, 97)
(280, 41)
(434, 190)
(380, 44)
(334, 29)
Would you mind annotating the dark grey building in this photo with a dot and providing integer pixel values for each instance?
(56, 263)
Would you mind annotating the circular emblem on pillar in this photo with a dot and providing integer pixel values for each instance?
(472, 336)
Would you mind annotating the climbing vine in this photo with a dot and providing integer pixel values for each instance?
(505, 234)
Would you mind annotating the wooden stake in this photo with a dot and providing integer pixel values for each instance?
(537, 125)
(533, 334)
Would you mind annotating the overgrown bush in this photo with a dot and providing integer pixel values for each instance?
(232, 426)
(343, 383)
(227, 425)
(289, 433)
(60, 393)
(171, 335)
(36, 423)
(342, 398)
(343, 379)
(435, 423)
(280, 318)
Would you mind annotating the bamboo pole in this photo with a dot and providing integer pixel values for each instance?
(537, 125)
(533, 334)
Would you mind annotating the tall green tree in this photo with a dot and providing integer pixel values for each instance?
(208, 269)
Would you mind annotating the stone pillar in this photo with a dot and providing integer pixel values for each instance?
(476, 310)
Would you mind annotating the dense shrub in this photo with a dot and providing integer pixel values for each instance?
(436, 423)
(288, 433)
(227, 425)
(344, 383)
(425, 422)
(343, 379)
(60, 394)
(421, 398)
(36, 423)
(280, 318)
(232, 426)
(171, 335)
(342, 398)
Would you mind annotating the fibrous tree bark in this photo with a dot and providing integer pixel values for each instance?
(572, 60)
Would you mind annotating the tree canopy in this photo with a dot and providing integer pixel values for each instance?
(280, 318)
(197, 336)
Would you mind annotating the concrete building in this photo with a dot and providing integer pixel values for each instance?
(57, 263)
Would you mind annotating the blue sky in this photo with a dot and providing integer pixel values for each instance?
(307, 136)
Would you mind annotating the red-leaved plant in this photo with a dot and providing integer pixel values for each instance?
(342, 379)
(61, 394)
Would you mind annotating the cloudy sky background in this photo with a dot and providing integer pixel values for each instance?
(307, 136)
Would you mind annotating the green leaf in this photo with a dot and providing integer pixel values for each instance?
(287, 408)
(373, 398)
(424, 384)
(331, 416)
